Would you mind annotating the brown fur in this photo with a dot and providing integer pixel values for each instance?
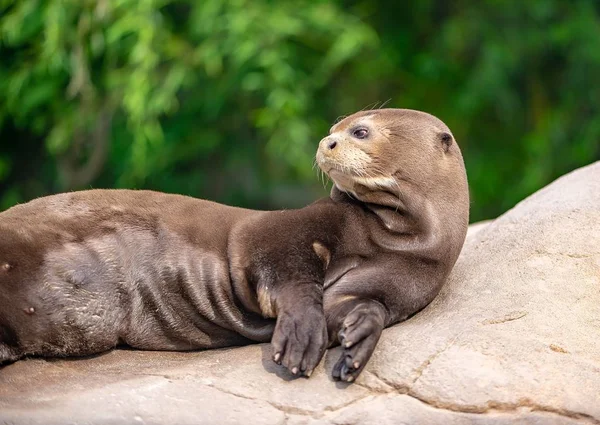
(83, 272)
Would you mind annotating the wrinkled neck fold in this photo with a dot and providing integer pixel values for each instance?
(403, 221)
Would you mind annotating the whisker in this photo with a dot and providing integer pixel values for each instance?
(338, 119)
(369, 106)
(326, 180)
(385, 103)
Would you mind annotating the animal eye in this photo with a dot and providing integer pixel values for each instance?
(360, 133)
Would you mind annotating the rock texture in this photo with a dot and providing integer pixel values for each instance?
(514, 337)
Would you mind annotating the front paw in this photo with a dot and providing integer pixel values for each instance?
(358, 337)
(300, 339)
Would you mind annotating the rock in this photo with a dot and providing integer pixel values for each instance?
(476, 227)
(512, 338)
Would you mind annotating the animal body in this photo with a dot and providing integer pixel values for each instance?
(83, 272)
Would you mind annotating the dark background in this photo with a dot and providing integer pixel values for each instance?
(227, 100)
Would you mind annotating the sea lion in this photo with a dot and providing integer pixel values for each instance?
(83, 272)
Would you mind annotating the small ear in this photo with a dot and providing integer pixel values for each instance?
(446, 140)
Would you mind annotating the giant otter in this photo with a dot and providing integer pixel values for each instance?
(83, 272)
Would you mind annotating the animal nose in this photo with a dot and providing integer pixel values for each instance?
(332, 144)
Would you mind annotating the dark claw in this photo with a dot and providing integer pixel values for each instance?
(358, 337)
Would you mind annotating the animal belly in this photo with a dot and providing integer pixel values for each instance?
(184, 305)
(132, 287)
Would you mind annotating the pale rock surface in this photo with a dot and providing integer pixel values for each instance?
(514, 337)
(476, 227)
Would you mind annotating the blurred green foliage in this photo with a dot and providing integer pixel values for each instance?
(227, 99)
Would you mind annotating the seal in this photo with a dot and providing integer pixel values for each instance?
(84, 272)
